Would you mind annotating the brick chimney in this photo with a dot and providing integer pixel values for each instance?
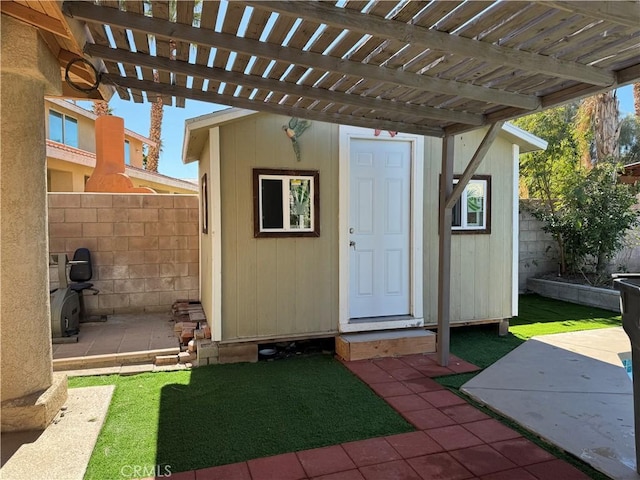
(109, 173)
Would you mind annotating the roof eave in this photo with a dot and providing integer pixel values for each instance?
(527, 141)
(196, 130)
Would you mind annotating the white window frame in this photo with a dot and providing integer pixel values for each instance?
(64, 132)
(485, 181)
(286, 177)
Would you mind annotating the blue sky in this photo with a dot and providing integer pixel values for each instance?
(136, 118)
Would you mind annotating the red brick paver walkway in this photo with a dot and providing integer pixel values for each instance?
(453, 441)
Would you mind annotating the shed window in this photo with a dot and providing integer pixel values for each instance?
(471, 213)
(63, 129)
(286, 203)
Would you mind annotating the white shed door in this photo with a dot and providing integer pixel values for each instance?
(379, 228)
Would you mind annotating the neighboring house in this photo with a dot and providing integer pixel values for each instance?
(346, 239)
(71, 146)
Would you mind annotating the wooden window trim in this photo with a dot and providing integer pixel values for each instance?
(314, 174)
(488, 206)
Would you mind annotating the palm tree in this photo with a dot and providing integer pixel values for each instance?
(598, 128)
(100, 108)
(636, 98)
(155, 130)
(157, 107)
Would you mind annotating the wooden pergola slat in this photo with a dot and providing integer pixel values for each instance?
(128, 58)
(96, 14)
(439, 41)
(162, 89)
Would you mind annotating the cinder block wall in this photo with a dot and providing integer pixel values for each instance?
(538, 251)
(144, 247)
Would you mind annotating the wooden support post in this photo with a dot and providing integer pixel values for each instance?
(444, 263)
(448, 198)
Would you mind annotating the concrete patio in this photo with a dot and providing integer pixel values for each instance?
(125, 341)
(572, 390)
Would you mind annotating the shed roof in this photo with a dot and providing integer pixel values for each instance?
(425, 67)
(196, 133)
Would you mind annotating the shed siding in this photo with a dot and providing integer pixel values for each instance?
(287, 286)
(276, 286)
(480, 264)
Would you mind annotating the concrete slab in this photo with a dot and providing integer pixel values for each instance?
(121, 333)
(63, 450)
(573, 391)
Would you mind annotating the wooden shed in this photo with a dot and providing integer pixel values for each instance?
(364, 257)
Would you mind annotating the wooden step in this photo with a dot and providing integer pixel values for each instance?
(388, 343)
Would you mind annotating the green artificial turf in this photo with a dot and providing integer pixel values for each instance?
(538, 315)
(228, 413)
(543, 316)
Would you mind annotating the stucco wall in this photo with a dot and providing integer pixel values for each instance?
(30, 395)
(144, 247)
(66, 176)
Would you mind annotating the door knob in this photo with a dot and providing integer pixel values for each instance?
(352, 244)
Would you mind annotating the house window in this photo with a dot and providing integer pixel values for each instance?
(127, 153)
(471, 213)
(63, 129)
(286, 203)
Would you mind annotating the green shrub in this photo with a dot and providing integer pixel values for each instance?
(589, 218)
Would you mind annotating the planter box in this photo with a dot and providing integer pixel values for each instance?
(575, 293)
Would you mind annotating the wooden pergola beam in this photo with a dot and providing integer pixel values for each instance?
(202, 37)
(625, 76)
(35, 18)
(253, 81)
(213, 97)
(321, 12)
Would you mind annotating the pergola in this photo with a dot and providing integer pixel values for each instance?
(433, 68)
